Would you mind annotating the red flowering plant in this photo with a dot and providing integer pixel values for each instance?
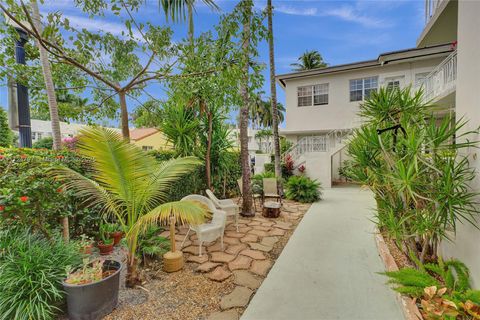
(288, 166)
(28, 195)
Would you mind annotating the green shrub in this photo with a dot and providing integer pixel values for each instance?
(303, 189)
(29, 196)
(44, 143)
(31, 272)
(6, 135)
(452, 276)
(195, 182)
(269, 167)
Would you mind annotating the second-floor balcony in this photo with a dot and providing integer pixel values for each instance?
(442, 80)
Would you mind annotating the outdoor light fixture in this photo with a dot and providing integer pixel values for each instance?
(19, 107)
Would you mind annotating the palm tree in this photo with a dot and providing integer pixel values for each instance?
(181, 10)
(275, 113)
(309, 60)
(52, 98)
(261, 113)
(130, 186)
(245, 109)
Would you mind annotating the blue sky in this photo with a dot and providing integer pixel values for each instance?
(342, 31)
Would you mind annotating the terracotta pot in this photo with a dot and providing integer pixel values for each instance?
(116, 236)
(105, 248)
(87, 249)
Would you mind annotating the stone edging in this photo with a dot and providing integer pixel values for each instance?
(409, 308)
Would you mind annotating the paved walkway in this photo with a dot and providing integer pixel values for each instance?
(328, 268)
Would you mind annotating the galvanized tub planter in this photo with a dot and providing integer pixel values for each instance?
(92, 301)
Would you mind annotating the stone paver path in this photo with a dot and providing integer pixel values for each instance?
(246, 256)
(328, 269)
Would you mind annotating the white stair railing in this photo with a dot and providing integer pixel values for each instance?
(442, 79)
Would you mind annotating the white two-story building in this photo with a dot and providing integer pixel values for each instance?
(321, 104)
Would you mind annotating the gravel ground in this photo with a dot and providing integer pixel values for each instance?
(187, 294)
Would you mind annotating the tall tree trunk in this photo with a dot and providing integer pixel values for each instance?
(273, 91)
(208, 165)
(124, 116)
(244, 112)
(52, 98)
(190, 21)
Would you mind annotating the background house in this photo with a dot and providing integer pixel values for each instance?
(149, 139)
(322, 104)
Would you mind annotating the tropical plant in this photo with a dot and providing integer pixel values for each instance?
(151, 244)
(410, 160)
(262, 115)
(32, 269)
(6, 135)
(309, 60)
(443, 289)
(303, 189)
(179, 9)
(130, 186)
(181, 127)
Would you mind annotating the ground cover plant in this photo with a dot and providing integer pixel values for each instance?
(32, 269)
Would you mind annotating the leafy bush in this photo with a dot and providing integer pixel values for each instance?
(151, 244)
(31, 197)
(443, 288)
(195, 182)
(303, 189)
(269, 167)
(414, 164)
(6, 135)
(44, 143)
(32, 269)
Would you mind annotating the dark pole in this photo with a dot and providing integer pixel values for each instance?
(24, 124)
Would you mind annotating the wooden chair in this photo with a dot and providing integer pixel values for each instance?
(270, 189)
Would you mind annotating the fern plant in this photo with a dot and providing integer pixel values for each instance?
(451, 278)
(303, 189)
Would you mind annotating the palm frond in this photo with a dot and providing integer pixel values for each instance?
(184, 212)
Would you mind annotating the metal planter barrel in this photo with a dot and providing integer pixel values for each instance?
(93, 301)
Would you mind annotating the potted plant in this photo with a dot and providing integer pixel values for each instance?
(114, 232)
(86, 244)
(92, 290)
(105, 244)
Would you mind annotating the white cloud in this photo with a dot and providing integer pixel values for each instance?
(348, 13)
(296, 10)
(96, 24)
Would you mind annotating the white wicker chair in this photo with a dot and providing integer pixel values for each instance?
(227, 205)
(210, 231)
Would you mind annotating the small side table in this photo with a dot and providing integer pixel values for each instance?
(271, 209)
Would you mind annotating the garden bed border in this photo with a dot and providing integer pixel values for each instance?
(409, 308)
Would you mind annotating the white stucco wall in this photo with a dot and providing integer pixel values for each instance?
(467, 239)
(340, 113)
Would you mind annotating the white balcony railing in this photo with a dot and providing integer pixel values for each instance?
(442, 80)
(431, 7)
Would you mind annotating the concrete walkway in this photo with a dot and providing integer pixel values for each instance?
(328, 269)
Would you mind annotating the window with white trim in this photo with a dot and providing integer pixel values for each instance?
(313, 95)
(360, 89)
(394, 82)
(420, 79)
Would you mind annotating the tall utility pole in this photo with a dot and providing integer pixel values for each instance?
(24, 124)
